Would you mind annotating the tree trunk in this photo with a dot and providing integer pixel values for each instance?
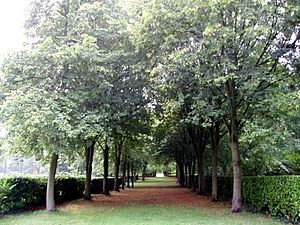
(201, 172)
(214, 137)
(124, 174)
(89, 154)
(177, 174)
(193, 174)
(132, 175)
(236, 160)
(198, 137)
(50, 202)
(190, 183)
(118, 147)
(105, 167)
(186, 179)
(128, 174)
(144, 172)
(236, 198)
(181, 173)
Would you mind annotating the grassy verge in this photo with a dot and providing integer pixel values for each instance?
(138, 214)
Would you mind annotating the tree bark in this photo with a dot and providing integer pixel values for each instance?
(144, 172)
(201, 172)
(236, 160)
(198, 138)
(186, 179)
(118, 147)
(105, 190)
(190, 183)
(237, 197)
(128, 174)
(214, 137)
(50, 202)
(193, 174)
(124, 174)
(181, 173)
(89, 154)
(132, 175)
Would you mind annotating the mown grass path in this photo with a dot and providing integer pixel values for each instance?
(156, 201)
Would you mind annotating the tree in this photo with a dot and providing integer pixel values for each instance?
(235, 54)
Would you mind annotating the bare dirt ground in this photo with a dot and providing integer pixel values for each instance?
(150, 195)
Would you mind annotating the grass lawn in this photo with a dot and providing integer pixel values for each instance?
(162, 205)
(156, 181)
(136, 215)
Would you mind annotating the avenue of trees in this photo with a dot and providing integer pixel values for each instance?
(212, 85)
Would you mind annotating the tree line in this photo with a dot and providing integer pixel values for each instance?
(165, 77)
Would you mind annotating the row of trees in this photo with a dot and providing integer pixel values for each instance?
(73, 87)
(106, 73)
(215, 64)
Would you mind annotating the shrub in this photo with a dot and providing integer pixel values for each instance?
(68, 188)
(22, 192)
(279, 194)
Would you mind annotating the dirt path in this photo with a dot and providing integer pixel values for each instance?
(150, 195)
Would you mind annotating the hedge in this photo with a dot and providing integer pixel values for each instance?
(18, 193)
(279, 195)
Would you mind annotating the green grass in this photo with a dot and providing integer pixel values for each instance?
(146, 214)
(156, 181)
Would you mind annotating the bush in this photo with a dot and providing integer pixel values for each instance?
(18, 193)
(280, 195)
(21, 192)
(68, 188)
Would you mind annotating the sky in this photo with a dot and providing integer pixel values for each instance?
(12, 17)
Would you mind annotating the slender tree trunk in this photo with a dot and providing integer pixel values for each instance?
(237, 197)
(124, 174)
(193, 174)
(189, 166)
(201, 172)
(177, 174)
(132, 175)
(50, 202)
(214, 137)
(128, 174)
(186, 179)
(118, 147)
(181, 173)
(105, 166)
(89, 154)
(236, 160)
(144, 172)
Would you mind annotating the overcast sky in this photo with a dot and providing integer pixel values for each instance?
(12, 16)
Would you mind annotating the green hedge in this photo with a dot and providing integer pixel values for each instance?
(18, 193)
(280, 195)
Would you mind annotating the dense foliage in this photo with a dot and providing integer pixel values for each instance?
(279, 195)
(18, 193)
(210, 86)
